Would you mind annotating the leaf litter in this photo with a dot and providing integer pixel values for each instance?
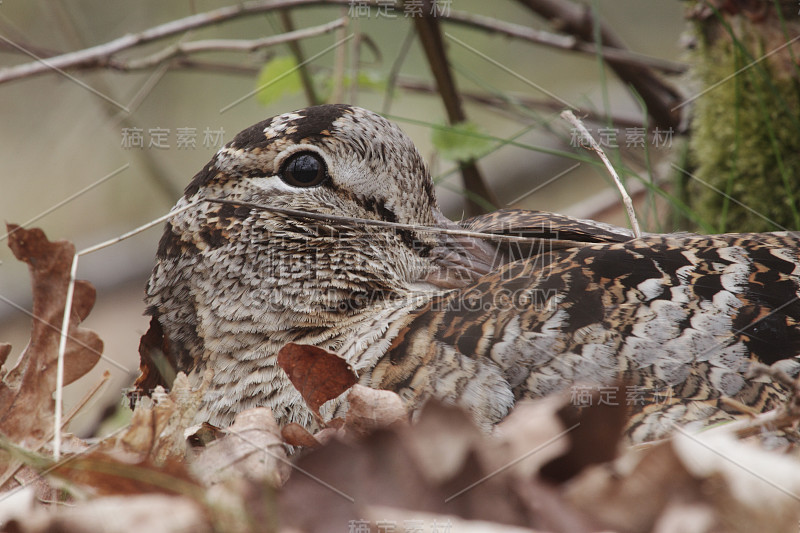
(548, 467)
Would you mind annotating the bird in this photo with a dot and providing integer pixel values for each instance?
(482, 313)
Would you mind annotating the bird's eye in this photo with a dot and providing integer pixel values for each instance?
(304, 169)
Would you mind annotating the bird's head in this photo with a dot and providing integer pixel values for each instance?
(330, 160)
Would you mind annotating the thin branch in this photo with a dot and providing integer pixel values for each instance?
(216, 45)
(507, 104)
(355, 60)
(430, 36)
(99, 56)
(214, 67)
(341, 219)
(339, 65)
(563, 42)
(626, 199)
(299, 58)
(394, 72)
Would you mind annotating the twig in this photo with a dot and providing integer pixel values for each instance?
(777, 419)
(99, 56)
(572, 119)
(339, 64)
(562, 42)
(217, 45)
(394, 72)
(355, 60)
(508, 103)
(62, 348)
(324, 217)
(87, 397)
(62, 344)
(431, 38)
(297, 52)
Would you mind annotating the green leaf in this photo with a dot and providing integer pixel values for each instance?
(367, 80)
(278, 76)
(460, 142)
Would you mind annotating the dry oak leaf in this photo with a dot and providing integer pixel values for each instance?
(117, 514)
(390, 467)
(317, 374)
(147, 456)
(251, 449)
(157, 430)
(296, 435)
(370, 409)
(26, 404)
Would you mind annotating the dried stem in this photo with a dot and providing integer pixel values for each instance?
(297, 52)
(570, 117)
(100, 56)
(237, 45)
(340, 219)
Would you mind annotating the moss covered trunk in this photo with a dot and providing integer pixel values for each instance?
(746, 123)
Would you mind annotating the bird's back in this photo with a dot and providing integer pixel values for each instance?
(665, 325)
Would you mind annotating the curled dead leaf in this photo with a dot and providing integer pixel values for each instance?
(317, 374)
(26, 403)
(157, 364)
(371, 409)
(252, 449)
(296, 435)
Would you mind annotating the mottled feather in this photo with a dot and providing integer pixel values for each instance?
(480, 323)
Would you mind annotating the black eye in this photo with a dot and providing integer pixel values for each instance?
(304, 169)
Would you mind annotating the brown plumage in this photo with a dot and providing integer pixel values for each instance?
(477, 322)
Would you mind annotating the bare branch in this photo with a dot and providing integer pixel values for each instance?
(562, 42)
(394, 72)
(431, 38)
(239, 45)
(99, 56)
(509, 102)
(626, 199)
(299, 58)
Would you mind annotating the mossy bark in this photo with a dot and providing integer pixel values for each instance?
(745, 138)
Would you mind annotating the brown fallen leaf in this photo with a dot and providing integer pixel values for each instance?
(157, 431)
(317, 374)
(595, 437)
(116, 514)
(26, 403)
(397, 467)
(157, 364)
(252, 449)
(370, 409)
(296, 435)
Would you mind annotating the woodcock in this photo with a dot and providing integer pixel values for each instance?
(480, 322)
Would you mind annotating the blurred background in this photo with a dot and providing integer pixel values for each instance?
(132, 128)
